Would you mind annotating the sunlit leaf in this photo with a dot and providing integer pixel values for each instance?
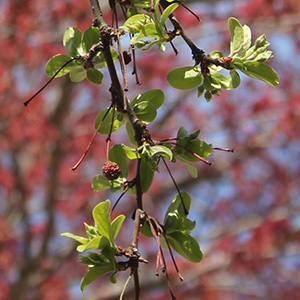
(237, 35)
(101, 216)
(261, 71)
(89, 38)
(72, 41)
(78, 238)
(185, 78)
(116, 225)
(57, 61)
(95, 273)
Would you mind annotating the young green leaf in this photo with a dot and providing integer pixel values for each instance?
(94, 76)
(161, 150)
(102, 219)
(78, 75)
(98, 242)
(167, 12)
(106, 124)
(261, 71)
(185, 78)
(72, 41)
(78, 238)
(146, 175)
(145, 111)
(116, 225)
(155, 97)
(237, 35)
(100, 183)
(136, 23)
(118, 155)
(185, 245)
(57, 61)
(95, 273)
(89, 38)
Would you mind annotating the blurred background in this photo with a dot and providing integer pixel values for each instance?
(246, 205)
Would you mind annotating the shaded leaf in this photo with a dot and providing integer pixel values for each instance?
(185, 245)
(94, 76)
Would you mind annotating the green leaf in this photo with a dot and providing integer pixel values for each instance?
(185, 245)
(261, 71)
(187, 145)
(167, 12)
(234, 79)
(193, 171)
(78, 75)
(102, 219)
(182, 133)
(100, 183)
(145, 111)
(146, 175)
(136, 23)
(57, 61)
(116, 184)
(95, 273)
(89, 38)
(155, 97)
(132, 153)
(237, 35)
(161, 150)
(116, 225)
(106, 124)
(113, 277)
(185, 78)
(118, 155)
(130, 133)
(100, 61)
(94, 76)
(78, 238)
(176, 204)
(98, 242)
(72, 41)
(247, 39)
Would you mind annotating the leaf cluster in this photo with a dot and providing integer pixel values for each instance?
(102, 237)
(78, 46)
(242, 57)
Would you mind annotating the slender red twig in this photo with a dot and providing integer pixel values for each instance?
(91, 141)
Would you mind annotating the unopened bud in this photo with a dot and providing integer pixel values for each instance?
(260, 41)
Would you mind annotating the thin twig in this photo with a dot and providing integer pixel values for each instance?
(194, 154)
(49, 81)
(123, 69)
(176, 186)
(172, 257)
(91, 141)
(125, 285)
(120, 197)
